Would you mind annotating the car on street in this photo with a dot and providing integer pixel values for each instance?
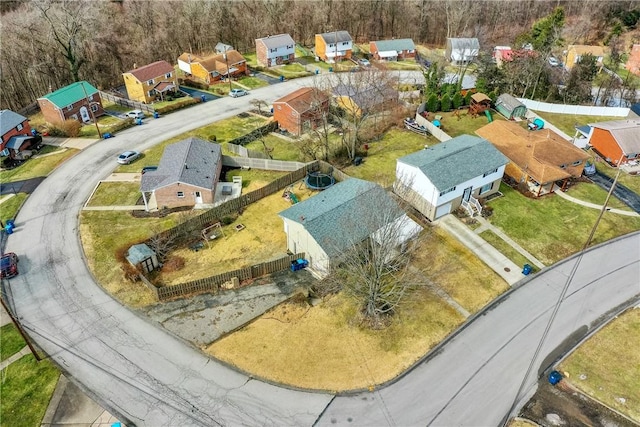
(8, 265)
(128, 157)
(364, 62)
(238, 92)
(135, 114)
(554, 62)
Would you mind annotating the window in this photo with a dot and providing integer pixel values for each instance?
(69, 107)
(94, 107)
(150, 93)
(442, 193)
(180, 193)
(19, 127)
(167, 76)
(345, 43)
(273, 50)
(486, 187)
(563, 166)
(489, 172)
(576, 163)
(150, 82)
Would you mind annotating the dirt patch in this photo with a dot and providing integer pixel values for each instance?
(564, 405)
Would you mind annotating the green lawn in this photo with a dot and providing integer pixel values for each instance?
(280, 149)
(35, 167)
(506, 249)
(106, 123)
(593, 193)
(630, 181)
(11, 341)
(291, 71)
(401, 65)
(568, 122)
(552, 228)
(607, 362)
(9, 208)
(116, 193)
(252, 82)
(27, 387)
(251, 58)
(465, 125)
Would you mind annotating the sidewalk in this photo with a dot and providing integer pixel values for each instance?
(593, 205)
(77, 143)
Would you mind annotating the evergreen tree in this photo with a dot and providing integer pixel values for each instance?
(445, 102)
(433, 104)
(457, 100)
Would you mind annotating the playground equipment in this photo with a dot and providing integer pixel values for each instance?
(479, 104)
(536, 124)
(212, 232)
(319, 181)
(488, 114)
(290, 195)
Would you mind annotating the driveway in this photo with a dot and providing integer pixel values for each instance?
(625, 194)
(24, 186)
(147, 377)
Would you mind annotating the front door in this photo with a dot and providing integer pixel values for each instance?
(467, 193)
(198, 197)
(84, 114)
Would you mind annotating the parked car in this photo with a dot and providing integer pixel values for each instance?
(238, 92)
(364, 62)
(8, 265)
(128, 157)
(149, 169)
(554, 62)
(135, 114)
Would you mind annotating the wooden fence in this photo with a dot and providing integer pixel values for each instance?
(127, 102)
(213, 283)
(29, 109)
(255, 134)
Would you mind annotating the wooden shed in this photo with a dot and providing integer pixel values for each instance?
(510, 107)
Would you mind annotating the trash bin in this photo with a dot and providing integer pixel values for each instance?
(138, 121)
(8, 228)
(331, 69)
(156, 115)
(317, 71)
(555, 377)
(526, 269)
(11, 222)
(34, 132)
(281, 78)
(203, 98)
(107, 135)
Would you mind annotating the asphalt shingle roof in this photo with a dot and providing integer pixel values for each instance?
(397, 44)
(625, 132)
(276, 41)
(302, 99)
(70, 94)
(509, 102)
(455, 161)
(9, 120)
(152, 71)
(339, 36)
(344, 214)
(366, 95)
(191, 161)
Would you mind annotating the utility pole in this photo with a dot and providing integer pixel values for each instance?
(226, 60)
(93, 117)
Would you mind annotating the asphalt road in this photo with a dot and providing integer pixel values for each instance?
(625, 194)
(148, 377)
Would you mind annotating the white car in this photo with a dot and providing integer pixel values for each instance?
(554, 62)
(135, 114)
(128, 157)
(238, 92)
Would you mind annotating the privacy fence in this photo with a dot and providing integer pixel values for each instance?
(127, 102)
(433, 129)
(583, 110)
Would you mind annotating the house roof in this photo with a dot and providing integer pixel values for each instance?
(581, 49)
(540, 153)
(625, 132)
(396, 45)
(223, 47)
(301, 99)
(464, 43)
(218, 62)
(480, 97)
(366, 95)
(191, 161)
(455, 161)
(138, 253)
(509, 102)
(344, 214)
(190, 58)
(336, 36)
(468, 80)
(9, 120)
(272, 42)
(16, 142)
(151, 71)
(70, 94)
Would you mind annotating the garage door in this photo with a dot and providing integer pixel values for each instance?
(443, 210)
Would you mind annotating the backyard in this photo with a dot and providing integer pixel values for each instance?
(568, 122)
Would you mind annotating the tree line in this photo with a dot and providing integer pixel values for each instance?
(47, 44)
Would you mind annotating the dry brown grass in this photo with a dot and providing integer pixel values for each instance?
(322, 348)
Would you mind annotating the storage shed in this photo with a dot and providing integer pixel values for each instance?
(510, 107)
(143, 256)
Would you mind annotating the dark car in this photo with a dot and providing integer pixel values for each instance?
(8, 265)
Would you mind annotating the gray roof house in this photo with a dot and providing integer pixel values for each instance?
(186, 176)
(392, 50)
(275, 50)
(365, 96)
(10, 120)
(327, 224)
(454, 173)
(461, 50)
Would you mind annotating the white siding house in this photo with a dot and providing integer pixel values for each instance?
(275, 50)
(462, 50)
(437, 180)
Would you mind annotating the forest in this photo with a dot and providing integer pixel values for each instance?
(47, 44)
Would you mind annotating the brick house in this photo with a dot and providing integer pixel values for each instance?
(213, 68)
(300, 110)
(615, 140)
(334, 46)
(633, 63)
(392, 50)
(78, 101)
(187, 175)
(145, 83)
(275, 50)
(12, 125)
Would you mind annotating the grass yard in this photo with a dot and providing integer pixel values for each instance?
(400, 65)
(9, 207)
(607, 360)
(466, 125)
(252, 82)
(630, 181)
(11, 341)
(281, 148)
(253, 179)
(116, 193)
(507, 250)
(552, 228)
(450, 265)
(291, 71)
(337, 353)
(251, 58)
(106, 123)
(593, 193)
(26, 389)
(380, 163)
(38, 166)
(568, 122)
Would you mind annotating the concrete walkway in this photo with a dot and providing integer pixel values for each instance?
(19, 355)
(499, 263)
(593, 205)
(77, 143)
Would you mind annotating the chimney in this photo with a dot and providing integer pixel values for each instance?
(135, 65)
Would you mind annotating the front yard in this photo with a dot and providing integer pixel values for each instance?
(43, 164)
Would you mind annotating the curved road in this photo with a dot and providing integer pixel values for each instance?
(146, 376)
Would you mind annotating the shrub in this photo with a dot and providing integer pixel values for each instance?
(457, 101)
(467, 98)
(69, 128)
(445, 103)
(174, 263)
(433, 104)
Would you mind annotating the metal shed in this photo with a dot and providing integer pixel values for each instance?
(143, 256)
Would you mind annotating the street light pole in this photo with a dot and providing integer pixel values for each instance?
(226, 60)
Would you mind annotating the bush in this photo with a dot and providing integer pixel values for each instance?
(69, 128)
(433, 104)
(213, 138)
(467, 98)
(445, 103)
(174, 263)
(457, 101)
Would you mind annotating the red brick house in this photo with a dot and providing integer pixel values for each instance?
(275, 50)
(213, 68)
(616, 140)
(392, 50)
(78, 101)
(12, 125)
(300, 110)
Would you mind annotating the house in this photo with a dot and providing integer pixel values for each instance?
(187, 175)
(213, 68)
(143, 257)
(301, 110)
(275, 50)
(223, 47)
(458, 172)
(144, 84)
(334, 46)
(12, 125)
(575, 52)
(510, 107)
(78, 101)
(461, 50)
(392, 50)
(538, 159)
(633, 63)
(501, 54)
(363, 98)
(617, 141)
(331, 222)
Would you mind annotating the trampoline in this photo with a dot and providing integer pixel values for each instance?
(319, 181)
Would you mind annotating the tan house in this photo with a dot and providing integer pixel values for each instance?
(213, 68)
(540, 159)
(78, 101)
(187, 175)
(334, 46)
(145, 84)
(575, 52)
(301, 110)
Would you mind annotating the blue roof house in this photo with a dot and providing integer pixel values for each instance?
(330, 223)
(458, 172)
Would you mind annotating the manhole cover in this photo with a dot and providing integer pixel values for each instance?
(507, 269)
